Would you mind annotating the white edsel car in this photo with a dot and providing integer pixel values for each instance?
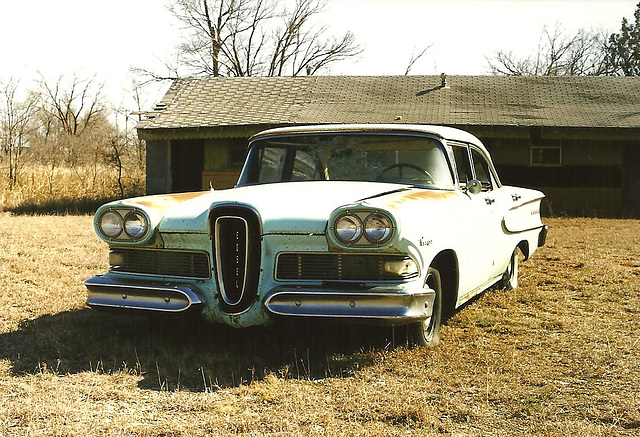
(394, 224)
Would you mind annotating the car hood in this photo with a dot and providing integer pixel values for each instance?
(292, 207)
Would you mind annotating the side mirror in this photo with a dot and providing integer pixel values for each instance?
(474, 186)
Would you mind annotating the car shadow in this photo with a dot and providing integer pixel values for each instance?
(173, 352)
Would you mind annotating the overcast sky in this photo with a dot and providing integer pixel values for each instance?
(63, 37)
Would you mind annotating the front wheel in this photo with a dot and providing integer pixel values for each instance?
(509, 279)
(427, 332)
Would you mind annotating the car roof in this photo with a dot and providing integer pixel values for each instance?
(444, 132)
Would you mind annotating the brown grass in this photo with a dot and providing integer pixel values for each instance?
(63, 190)
(557, 356)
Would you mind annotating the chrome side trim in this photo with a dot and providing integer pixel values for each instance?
(508, 232)
(381, 303)
(106, 292)
(528, 202)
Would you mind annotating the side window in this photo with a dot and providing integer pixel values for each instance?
(482, 170)
(463, 167)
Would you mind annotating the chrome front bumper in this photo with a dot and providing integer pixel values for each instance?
(389, 304)
(107, 292)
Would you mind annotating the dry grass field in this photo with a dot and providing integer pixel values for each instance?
(558, 356)
(63, 190)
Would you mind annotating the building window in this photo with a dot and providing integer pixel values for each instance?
(546, 155)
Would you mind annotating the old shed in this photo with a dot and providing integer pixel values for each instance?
(576, 138)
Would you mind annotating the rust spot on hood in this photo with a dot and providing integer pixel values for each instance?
(406, 197)
(162, 202)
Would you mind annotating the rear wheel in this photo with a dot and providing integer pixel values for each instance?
(427, 332)
(509, 279)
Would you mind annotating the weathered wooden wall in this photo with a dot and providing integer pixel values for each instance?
(599, 174)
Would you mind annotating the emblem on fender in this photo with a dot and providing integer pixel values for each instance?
(424, 242)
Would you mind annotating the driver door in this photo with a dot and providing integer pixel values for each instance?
(476, 247)
(492, 199)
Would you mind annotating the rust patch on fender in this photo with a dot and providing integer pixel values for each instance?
(399, 199)
(162, 202)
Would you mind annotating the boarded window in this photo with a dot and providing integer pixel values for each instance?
(187, 158)
(546, 155)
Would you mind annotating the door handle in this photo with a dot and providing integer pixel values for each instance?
(515, 197)
(489, 200)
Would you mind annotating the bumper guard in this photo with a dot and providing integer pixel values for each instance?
(381, 303)
(105, 292)
(542, 236)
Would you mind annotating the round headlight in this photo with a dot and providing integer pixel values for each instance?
(135, 225)
(348, 228)
(377, 228)
(110, 224)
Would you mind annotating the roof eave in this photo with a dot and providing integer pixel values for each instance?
(189, 133)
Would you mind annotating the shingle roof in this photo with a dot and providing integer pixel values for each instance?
(466, 100)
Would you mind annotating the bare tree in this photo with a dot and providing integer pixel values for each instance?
(74, 104)
(15, 126)
(62, 134)
(75, 132)
(72, 107)
(558, 54)
(126, 153)
(131, 120)
(253, 38)
(415, 57)
(45, 145)
(299, 47)
(115, 158)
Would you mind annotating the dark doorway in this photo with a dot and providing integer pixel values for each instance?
(187, 162)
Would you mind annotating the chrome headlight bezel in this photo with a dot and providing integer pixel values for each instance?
(346, 218)
(116, 223)
(122, 215)
(360, 217)
(143, 227)
(369, 228)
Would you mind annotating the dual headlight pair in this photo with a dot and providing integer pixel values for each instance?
(123, 224)
(376, 228)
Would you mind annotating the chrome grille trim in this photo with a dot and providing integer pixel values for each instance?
(236, 249)
(233, 277)
(324, 266)
(163, 262)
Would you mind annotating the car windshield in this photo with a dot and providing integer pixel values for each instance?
(395, 158)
